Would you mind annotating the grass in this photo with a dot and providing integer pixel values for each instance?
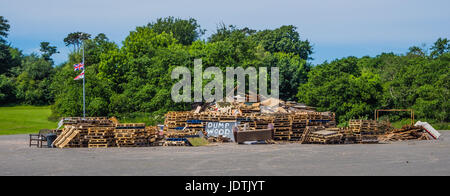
(198, 141)
(149, 119)
(436, 125)
(25, 119)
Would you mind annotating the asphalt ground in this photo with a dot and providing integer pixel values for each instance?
(397, 158)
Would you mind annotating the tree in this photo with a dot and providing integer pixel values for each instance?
(34, 81)
(224, 32)
(293, 72)
(415, 50)
(4, 28)
(284, 39)
(48, 51)
(185, 31)
(5, 56)
(342, 86)
(76, 39)
(440, 47)
(7, 90)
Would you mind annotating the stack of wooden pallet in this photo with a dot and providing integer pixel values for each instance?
(100, 132)
(195, 125)
(81, 127)
(153, 135)
(348, 137)
(326, 136)
(326, 119)
(176, 120)
(261, 122)
(100, 137)
(131, 135)
(322, 135)
(180, 134)
(365, 131)
(282, 127)
(87, 120)
(298, 122)
(305, 139)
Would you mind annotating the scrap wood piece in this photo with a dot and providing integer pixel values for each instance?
(407, 132)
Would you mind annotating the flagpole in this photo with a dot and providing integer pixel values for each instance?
(84, 100)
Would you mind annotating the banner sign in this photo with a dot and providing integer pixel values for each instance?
(225, 129)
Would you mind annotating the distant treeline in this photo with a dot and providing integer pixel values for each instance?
(134, 79)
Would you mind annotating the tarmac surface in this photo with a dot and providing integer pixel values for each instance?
(398, 158)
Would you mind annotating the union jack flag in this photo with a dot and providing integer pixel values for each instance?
(79, 66)
(81, 76)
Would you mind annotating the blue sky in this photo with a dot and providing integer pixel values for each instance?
(336, 28)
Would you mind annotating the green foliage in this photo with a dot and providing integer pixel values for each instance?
(68, 92)
(293, 72)
(342, 87)
(355, 87)
(185, 31)
(284, 39)
(4, 28)
(34, 80)
(7, 90)
(224, 32)
(75, 39)
(7, 54)
(440, 47)
(48, 51)
(5, 58)
(133, 81)
(137, 76)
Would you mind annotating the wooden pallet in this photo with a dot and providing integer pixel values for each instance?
(65, 138)
(98, 145)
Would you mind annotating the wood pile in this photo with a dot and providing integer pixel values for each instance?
(295, 126)
(282, 127)
(325, 137)
(260, 122)
(174, 143)
(180, 134)
(348, 137)
(287, 126)
(407, 132)
(131, 135)
(67, 138)
(298, 122)
(100, 132)
(100, 137)
(326, 119)
(364, 131)
(174, 120)
(248, 109)
(309, 129)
